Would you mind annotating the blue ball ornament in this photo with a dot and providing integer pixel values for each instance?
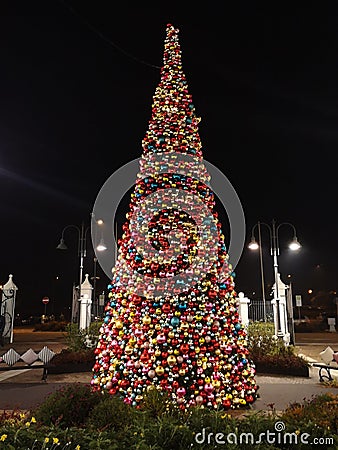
(175, 321)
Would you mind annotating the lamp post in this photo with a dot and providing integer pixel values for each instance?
(100, 247)
(274, 249)
(82, 236)
(82, 252)
(254, 246)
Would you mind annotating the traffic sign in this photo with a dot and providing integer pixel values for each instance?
(298, 300)
(45, 300)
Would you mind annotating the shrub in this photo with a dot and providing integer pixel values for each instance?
(110, 424)
(321, 410)
(331, 383)
(79, 355)
(50, 326)
(68, 407)
(270, 354)
(78, 339)
(12, 417)
(111, 412)
(155, 402)
(34, 436)
(262, 341)
(67, 356)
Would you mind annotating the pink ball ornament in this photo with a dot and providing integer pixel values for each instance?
(161, 338)
(208, 387)
(181, 392)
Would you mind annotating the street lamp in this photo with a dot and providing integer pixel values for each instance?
(82, 236)
(82, 252)
(101, 247)
(258, 246)
(274, 249)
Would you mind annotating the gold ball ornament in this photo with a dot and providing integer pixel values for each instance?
(159, 370)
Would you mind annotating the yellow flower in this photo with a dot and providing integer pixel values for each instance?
(46, 439)
(27, 424)
(3, 437)
(22, 415)
(77, 447)
(297, 432)
(55, 440)
(33, 420)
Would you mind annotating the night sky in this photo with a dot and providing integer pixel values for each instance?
(76, 89)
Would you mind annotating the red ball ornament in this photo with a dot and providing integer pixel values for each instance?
(166, 308)
(226, 403)
(184, 348)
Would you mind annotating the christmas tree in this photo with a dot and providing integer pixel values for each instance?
(172, 320)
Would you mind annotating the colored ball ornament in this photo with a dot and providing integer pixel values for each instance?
(161, 338)
(181, 392)
(171, 360)
(199, 400)
(159, 370)
(119, 324)
(175, 321)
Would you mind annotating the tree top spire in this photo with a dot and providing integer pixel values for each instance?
(173, 127)
(172, 50)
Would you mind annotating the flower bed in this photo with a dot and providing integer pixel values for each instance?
(68, 361)
(266, 368)
(75, 418)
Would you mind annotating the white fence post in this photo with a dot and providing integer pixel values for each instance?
(85, 304)
(244, 308)
(7, 310)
